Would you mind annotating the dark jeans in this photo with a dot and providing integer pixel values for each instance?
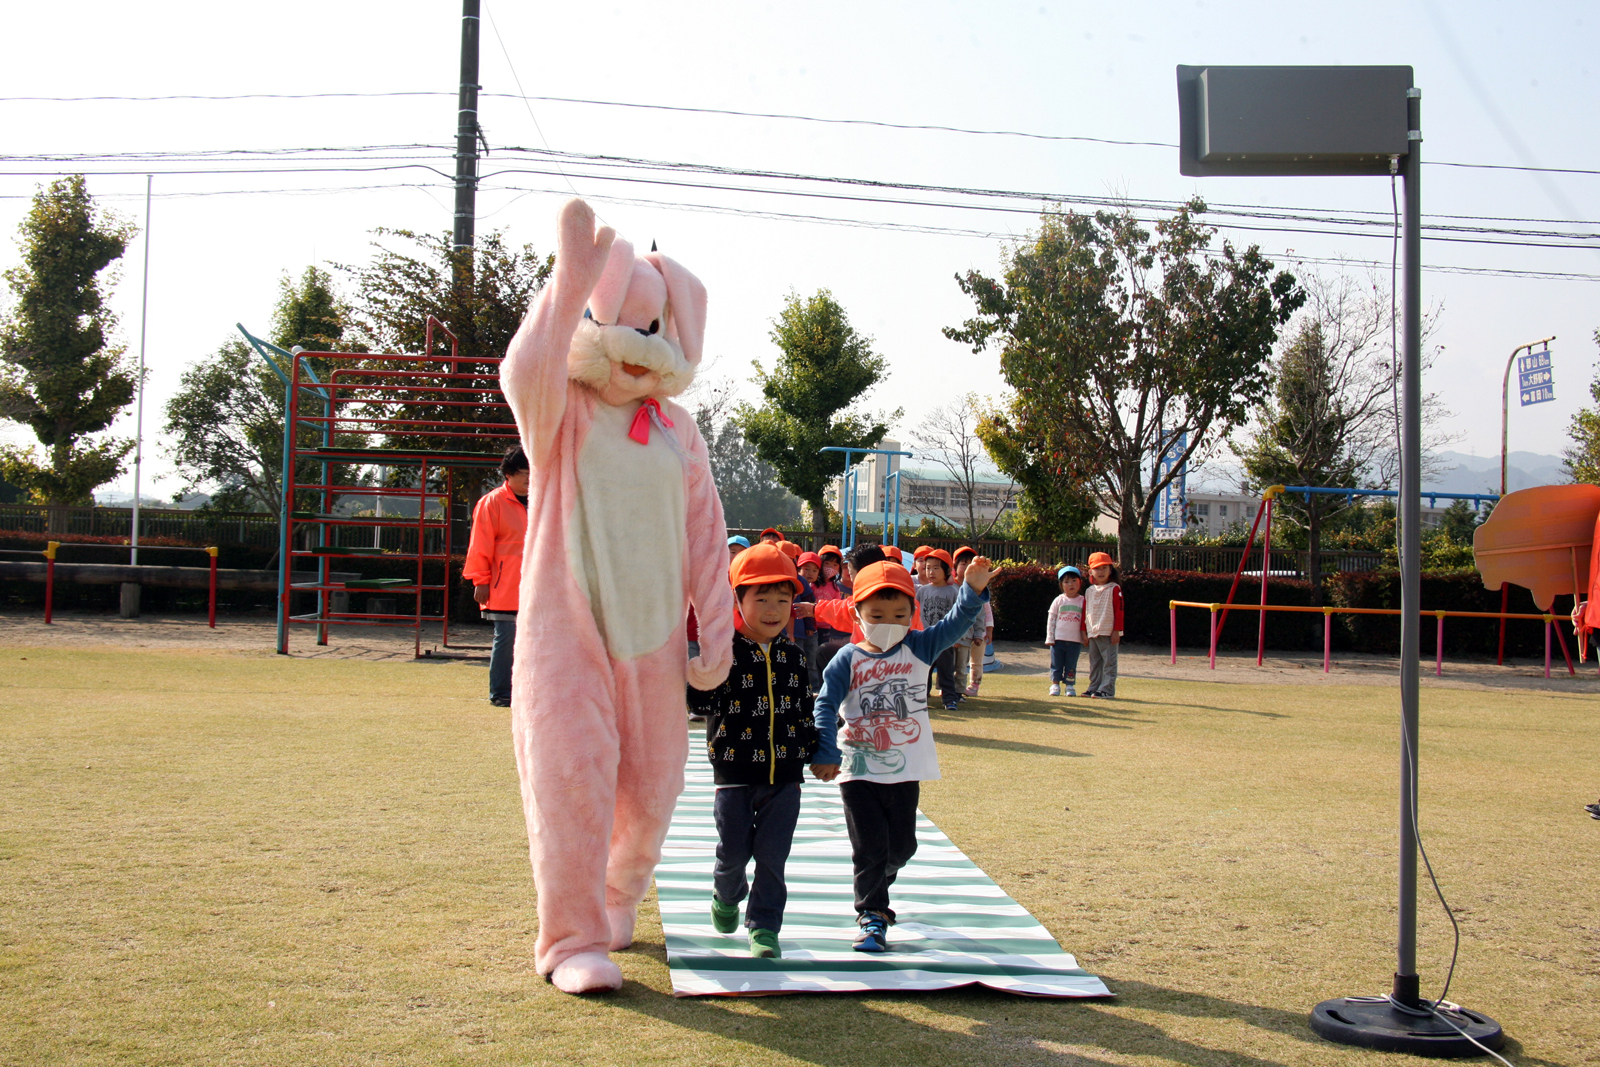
(882, 820)
(505, 636)
(755, 821)
(1064, 661)
(808, 645)
(945, 667)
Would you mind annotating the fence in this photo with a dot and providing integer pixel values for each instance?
(201, 527)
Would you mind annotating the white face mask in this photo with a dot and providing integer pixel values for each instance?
(829, 571)
(884, 634)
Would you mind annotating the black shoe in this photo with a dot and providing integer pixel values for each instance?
(1593, 809)
(500, 702)
(951, 706)
(874, 935)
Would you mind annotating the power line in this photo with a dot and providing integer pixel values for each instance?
(729, 112)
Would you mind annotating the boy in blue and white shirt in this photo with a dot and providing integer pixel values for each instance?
(872, 720)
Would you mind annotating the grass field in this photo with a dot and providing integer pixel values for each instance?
(211, 859)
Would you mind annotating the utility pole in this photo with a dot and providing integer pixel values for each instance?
(138, 432)
(467, 130)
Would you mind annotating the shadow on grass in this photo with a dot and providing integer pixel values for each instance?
(844, 1030)
(1211, 707)
(945, 737)
(1086, 713)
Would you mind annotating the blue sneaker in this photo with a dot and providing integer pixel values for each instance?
(874, 935)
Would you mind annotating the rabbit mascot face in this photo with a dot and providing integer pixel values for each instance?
(625, 532)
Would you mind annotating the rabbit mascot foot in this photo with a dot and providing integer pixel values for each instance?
(625, 530)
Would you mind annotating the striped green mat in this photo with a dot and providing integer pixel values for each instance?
(956, 927)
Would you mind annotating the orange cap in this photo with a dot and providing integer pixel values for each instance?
(827, 550)
(762, 565)
(788, 548)
(774, 530)
(964, 550)
(922, 550)
(942, 556)
(1100, 559)
(885, 575)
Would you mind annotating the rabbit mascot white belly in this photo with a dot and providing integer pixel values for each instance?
(625, 530)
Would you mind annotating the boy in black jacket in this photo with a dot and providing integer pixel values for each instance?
(759, 734)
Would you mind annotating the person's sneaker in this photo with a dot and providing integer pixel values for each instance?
(951, 705)
(764, 945)
(724, 917)
(1055, 689)
(972, 690)
(697, 718)
(1071, 691)
(874, 935)
(1593, 809)
(500, 702)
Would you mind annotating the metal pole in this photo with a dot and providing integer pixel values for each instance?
(467, 131)
(138, 419)
(1405, 979)
(1266, 562)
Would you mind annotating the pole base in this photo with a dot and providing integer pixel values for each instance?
(1376, 1023)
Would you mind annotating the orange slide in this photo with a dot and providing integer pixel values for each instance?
(1546, 539)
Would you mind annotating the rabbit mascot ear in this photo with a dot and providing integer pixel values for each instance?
(686, 301)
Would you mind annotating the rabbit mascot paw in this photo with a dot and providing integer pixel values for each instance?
(625, 530)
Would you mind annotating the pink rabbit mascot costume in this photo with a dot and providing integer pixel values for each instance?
(624, 531)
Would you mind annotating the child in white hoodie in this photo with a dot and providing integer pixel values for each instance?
(1063, 632)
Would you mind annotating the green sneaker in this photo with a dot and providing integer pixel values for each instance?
(724, 917)
(764, 945)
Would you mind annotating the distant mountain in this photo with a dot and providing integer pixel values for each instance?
(1481, 474)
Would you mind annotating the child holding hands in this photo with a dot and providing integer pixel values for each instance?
(874, 707)
(759, 735)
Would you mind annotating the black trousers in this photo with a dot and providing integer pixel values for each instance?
(882, 820)
(755, 822)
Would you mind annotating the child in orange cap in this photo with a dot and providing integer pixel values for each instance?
(1102, 625)
(759, 734)
(935, 597)
(874, 706)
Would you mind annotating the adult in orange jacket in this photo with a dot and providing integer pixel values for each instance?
(494, 565)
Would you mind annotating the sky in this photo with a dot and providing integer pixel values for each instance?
(1503, 84)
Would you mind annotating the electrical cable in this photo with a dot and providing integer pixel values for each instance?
(518, 79)
(729, 112)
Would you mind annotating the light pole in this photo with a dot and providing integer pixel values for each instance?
(1505, 422)
(1288, 121)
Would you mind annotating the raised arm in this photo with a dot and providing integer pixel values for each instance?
(534, 372)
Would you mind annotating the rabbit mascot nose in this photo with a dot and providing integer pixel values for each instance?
(625, 533)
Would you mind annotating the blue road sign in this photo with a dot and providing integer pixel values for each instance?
(1535, 379)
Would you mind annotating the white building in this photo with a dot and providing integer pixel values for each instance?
(1213, 513)
(926, 491)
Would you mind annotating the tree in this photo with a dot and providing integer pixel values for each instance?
(63, 375)
(1117, 345)
(480, 293)
(824, 367)
(226, 419)
(1331, 418)
(949, 437)
(1053, 504)
(749, 489)
(1582, 460)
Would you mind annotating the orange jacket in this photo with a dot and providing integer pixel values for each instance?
(494, 554)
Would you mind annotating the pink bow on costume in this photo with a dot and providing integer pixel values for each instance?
(648, 411)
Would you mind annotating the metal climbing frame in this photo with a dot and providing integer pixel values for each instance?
(426, 410)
